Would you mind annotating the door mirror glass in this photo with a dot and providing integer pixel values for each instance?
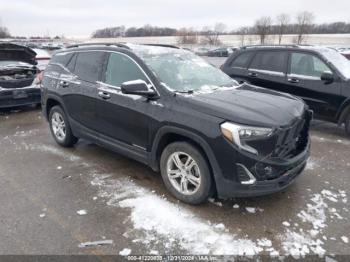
(137, 87)
(327, 77)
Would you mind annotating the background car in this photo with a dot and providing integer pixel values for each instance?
(19, 76)
(221, 52)
(318, 75)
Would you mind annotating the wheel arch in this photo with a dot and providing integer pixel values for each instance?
(167, 135)
(343, 112)
(52, 101)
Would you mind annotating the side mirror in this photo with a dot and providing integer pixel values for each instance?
(137, 87)
(327, 77)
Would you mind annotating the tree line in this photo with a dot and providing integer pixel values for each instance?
(122, 31)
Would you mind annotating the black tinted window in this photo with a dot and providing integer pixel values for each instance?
(271, 61)
(121, 69)
(242, 60)
(89, 65)
(62, 58)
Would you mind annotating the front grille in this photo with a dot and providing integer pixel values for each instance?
(293, 139)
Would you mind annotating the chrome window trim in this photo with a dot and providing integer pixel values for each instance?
(305, 77)
(267, 72)
(117, 52)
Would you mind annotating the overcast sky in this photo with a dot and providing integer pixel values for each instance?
(78, 18)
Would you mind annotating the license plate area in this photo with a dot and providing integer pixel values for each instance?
(19, 94)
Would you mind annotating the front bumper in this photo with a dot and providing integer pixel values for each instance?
(12, 97)
(289, 169)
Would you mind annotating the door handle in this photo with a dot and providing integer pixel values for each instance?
(253, 74)
(64, 84)
(104, 95)
(293, 80)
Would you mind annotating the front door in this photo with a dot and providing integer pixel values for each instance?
(124, 118)
(304, 80)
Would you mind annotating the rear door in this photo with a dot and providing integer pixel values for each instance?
(304, 80)
(79, 86)
(268, 69)
(123, 118)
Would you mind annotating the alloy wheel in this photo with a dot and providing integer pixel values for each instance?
(183, 173)
(58, 126)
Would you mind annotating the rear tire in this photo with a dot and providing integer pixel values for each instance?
(186, 173)
(347, 125)
(60, 128)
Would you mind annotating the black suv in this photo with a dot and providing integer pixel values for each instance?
(171, 110)
(318, 75)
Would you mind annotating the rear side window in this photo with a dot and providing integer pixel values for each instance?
(120, 69)
(61, 58)
(270, 61)
(242, 60)
(88, 65)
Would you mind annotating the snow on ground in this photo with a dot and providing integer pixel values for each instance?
(156, 218)
(156, 221)
(82, 212)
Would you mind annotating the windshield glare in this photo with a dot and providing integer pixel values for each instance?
(338, 61)
(181, 70)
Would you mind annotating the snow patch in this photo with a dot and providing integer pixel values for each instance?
(82, 212)
(125, 252)
(299, 245)
(345, 239)
(158, 218)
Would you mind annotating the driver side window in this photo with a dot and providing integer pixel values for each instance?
(307, 65)
(120, 69)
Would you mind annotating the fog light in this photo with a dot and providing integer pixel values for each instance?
(244, 175)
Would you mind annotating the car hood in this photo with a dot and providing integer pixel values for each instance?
(13, 52)
(249, 105)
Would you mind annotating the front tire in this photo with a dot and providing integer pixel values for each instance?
(60, 128)
(186, 173)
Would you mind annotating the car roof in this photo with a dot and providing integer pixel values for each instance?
(135, 49)
(285, 47)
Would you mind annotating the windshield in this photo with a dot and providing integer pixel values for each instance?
(182, 70)
(338, 61)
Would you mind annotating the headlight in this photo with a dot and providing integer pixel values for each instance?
(238, 134)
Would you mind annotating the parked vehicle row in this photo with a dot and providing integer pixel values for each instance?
(173, 111)
(320, 76)
(216, 52)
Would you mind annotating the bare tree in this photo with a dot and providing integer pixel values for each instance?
(262, 27)
(187, 36)
(4, 32)
(211, 36)
(304, 25)
(282, 24)
(242, 32)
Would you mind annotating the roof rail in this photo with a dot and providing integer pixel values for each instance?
(97, 44)
(163, 45)
(269, 46)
